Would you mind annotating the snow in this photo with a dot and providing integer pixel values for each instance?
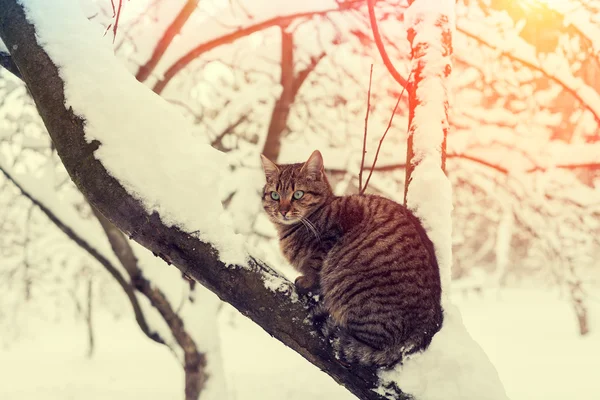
(454, 367)
(520, 330)
(146, 144)
(3, 48)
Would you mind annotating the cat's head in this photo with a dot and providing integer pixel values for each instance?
(294, 191)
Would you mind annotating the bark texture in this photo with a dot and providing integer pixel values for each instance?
(277, 312)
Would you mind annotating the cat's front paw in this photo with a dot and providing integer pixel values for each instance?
(306, 284)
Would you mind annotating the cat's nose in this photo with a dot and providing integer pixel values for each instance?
(284, 212)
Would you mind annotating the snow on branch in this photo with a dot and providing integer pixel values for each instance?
(454, 367)
(430, 28)
(72, 75)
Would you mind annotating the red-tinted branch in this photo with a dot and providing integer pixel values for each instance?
(364, 148)
(381, 47)
(240, 33)
(281, 109)
(173, 30)
(383, 138)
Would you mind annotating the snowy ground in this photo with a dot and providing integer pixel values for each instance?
(530, 336)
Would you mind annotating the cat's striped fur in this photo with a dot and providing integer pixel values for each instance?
(368, 257)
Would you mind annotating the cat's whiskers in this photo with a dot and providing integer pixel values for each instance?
(311, 227)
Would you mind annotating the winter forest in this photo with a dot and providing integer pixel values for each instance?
(137, 260)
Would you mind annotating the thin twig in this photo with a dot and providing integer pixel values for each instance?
(364, 149)
(118, 16)
(383, 137)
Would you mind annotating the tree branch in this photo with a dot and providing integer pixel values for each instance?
(381, 47)
(576, 92)
(302, 75)
(281, 313)
(290, 86)
(281, 109)
(366, 130)
(238, 34)
(83, 244)
(173, 29)
(194, 361)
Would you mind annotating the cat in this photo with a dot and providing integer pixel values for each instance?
(368, 258)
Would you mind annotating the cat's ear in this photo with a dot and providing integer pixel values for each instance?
(269, 167)
(313, 167)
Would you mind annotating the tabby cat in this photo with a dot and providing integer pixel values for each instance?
(368, 257)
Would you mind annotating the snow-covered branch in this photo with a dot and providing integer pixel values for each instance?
(254, 289)
(441, 372)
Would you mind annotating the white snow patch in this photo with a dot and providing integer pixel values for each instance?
(147, 145)
(434, 211)
(277, 283)
(454, 367)
(3, 48)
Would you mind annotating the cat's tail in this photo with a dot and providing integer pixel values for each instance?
(356, 347)
(375, 346)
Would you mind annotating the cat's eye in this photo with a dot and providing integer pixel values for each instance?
(298, 194)
(275, 195)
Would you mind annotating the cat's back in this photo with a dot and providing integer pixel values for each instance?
(384, 254)
(382, 219)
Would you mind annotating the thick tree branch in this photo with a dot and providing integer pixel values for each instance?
(88, 248)
(279, 312)
(182, 62)
(173, 30)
